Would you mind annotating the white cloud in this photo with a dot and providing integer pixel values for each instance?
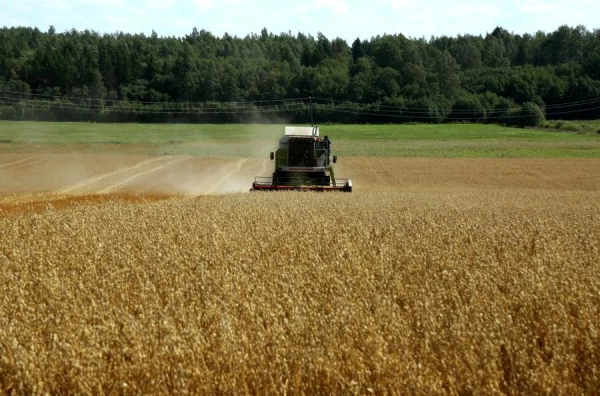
(537, 6)
(139, 12)
(335, 18)
(183, 26)
(160, 4)
(475, 19)
(16, 22)
(476, 11)
(102, 3)
(336, 6)
(548, 15)
(222, 28)
(45, 4)
(564, 7)
(117, 18)
(401, 4)
(204, 4)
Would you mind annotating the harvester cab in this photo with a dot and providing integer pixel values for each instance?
(303, 162)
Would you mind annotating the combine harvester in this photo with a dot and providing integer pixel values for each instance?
(302, 162)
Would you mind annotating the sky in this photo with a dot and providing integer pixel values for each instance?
(347, 19)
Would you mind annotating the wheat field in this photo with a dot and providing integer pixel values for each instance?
(403, 291)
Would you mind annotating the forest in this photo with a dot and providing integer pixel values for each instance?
(499, 77)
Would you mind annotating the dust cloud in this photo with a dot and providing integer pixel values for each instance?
(110, 173)
(71, 174)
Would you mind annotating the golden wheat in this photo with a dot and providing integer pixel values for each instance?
(420, 292)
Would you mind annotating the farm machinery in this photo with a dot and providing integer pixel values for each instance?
(302, 162)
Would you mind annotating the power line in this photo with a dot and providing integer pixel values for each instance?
(138, 110)
(266, 103)
(463, 115)
(427, 110)
(288, 105)
(55, 97)
(461, 118)
(184, 108)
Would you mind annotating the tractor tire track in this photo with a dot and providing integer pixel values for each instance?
(95, 179)
(158, 182)
(24, 162)
(9, 164)
(236, 168)
(137, 175)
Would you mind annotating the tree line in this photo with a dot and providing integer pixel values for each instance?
(500, 77)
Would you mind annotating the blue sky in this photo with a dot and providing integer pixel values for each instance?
(347, 19)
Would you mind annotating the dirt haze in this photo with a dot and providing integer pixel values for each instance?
(77, 174)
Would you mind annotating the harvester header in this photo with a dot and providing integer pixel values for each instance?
(303, 162)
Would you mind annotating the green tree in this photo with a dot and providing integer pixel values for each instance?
(530, 115)
(494, 53)
(357, 50)
(387, 52)
(467, 53)
(440, 74)
(467, 108)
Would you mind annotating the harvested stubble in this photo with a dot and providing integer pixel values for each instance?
(412, 293)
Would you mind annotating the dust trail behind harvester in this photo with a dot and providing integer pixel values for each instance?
(65, 174)
(223, 164)
(199, 176)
